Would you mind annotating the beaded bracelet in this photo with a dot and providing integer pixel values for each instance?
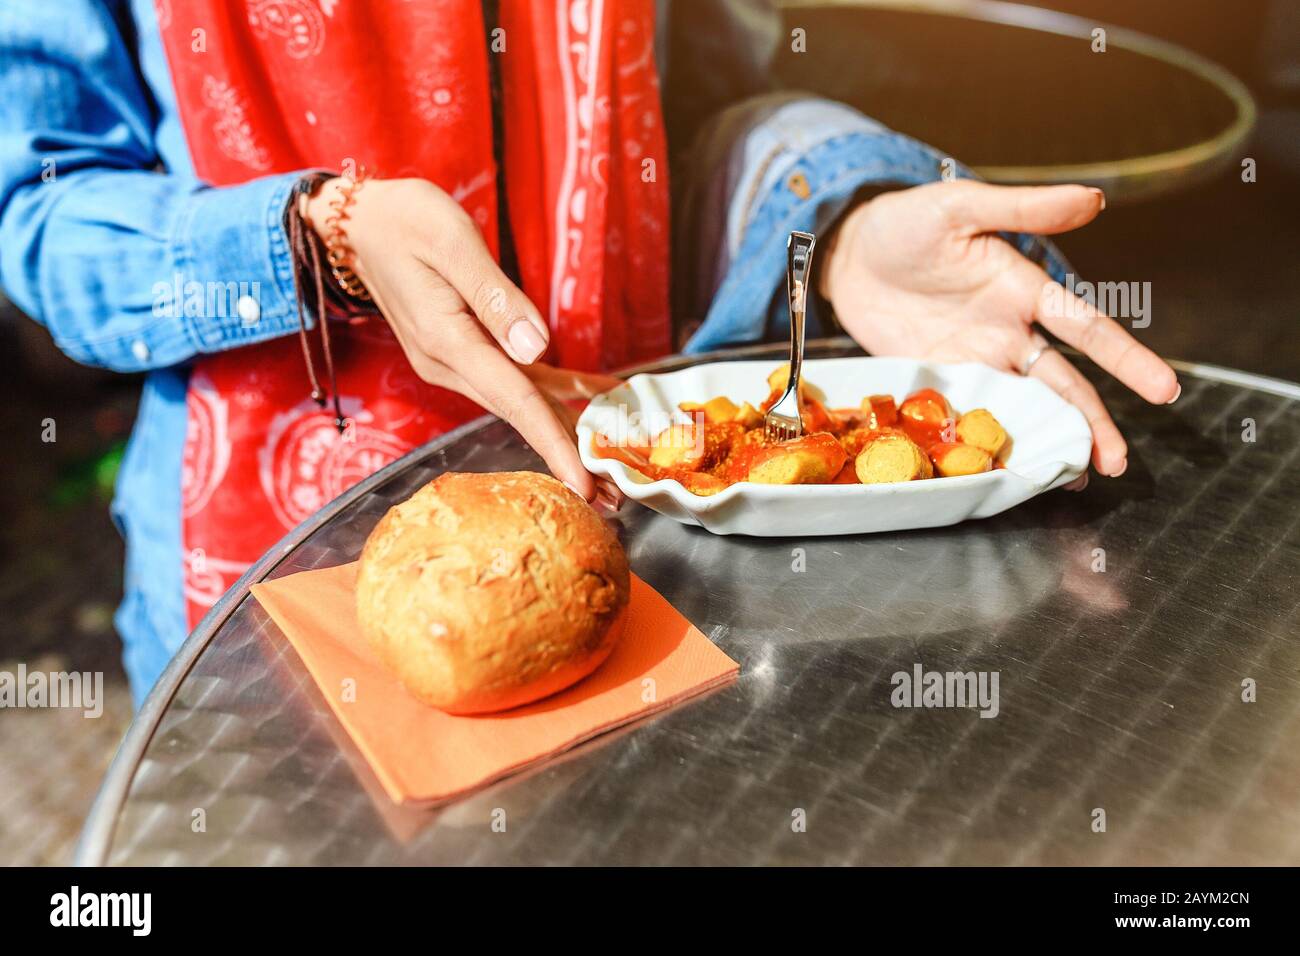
(337, 251)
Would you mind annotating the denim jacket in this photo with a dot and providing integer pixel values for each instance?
(99, 204)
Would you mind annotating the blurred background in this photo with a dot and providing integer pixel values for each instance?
(1017, 91)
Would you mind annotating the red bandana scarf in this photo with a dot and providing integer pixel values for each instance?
(401, 87)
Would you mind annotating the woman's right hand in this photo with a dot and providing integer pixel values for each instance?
(429, 270)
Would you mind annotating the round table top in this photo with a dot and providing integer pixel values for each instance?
(1144, 634)
(1157, 118)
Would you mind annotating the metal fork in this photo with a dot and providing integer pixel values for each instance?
(784, 420)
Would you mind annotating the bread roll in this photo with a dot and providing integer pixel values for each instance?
(483, 592)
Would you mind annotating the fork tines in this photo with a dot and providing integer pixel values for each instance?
(780, 427)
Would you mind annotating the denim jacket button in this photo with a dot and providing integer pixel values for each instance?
(248, 309)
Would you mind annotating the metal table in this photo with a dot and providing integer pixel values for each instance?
(1119, 690)
(1155, 119)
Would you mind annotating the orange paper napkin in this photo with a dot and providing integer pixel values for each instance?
(422, 755)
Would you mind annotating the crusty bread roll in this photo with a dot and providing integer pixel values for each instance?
(486, 591)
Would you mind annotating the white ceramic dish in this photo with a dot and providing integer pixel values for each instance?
(1051, 444)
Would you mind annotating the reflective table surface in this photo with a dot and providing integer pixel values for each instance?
(1157, 119)
(1144, 634)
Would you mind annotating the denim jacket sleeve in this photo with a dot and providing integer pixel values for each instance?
(95, 240)
(778, 163)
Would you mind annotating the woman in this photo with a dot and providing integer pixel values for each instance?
(171, 202)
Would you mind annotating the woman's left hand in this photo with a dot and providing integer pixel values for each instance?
(921, 272)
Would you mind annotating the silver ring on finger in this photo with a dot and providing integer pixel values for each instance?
(1040, 346)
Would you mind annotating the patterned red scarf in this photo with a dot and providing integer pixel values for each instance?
(402, 88)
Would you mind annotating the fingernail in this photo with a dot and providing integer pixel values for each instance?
(609, 496)
(1098, 192)
(574, 490)
(608, 502)
(1123, 467)
(525, 341)
(1176, 394)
